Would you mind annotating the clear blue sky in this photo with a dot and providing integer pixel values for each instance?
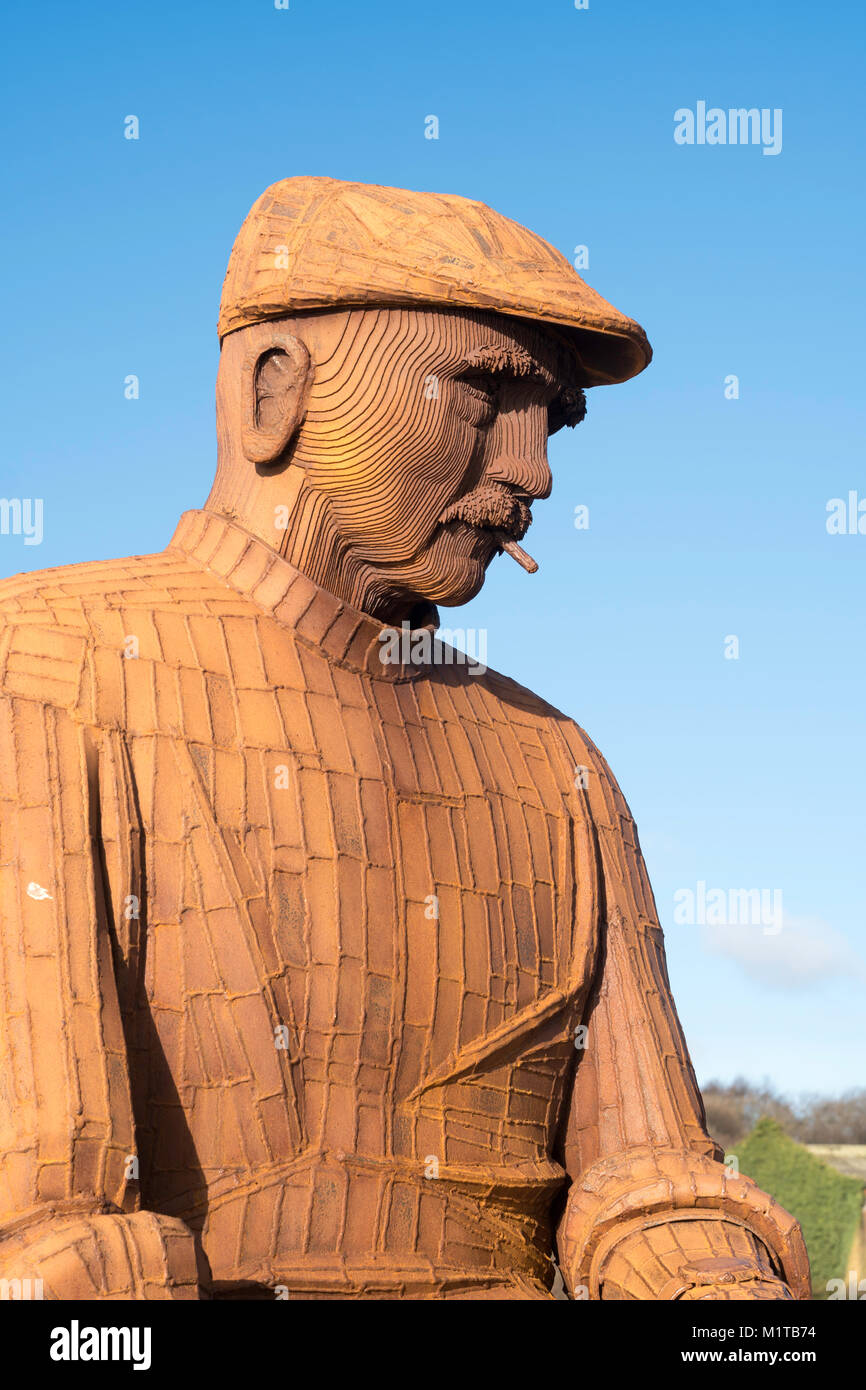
(707, 515)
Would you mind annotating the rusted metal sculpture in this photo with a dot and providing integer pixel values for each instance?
(330, 966)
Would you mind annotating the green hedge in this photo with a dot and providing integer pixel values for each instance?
(826, 1203)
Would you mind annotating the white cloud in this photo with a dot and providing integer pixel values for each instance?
(804, 951)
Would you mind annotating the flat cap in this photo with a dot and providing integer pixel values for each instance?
(319, 243)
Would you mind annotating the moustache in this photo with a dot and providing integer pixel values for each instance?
(493, 507)
(496, 509)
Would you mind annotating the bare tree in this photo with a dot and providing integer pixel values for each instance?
(734, 1109)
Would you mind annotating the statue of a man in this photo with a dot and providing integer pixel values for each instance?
(329, 963)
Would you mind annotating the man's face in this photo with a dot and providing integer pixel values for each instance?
(426, 432)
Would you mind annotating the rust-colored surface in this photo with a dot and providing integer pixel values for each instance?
(315, 243)
(297, 943)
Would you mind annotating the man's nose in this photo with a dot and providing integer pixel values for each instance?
(517, 451)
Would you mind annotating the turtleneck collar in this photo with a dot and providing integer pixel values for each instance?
(344, 635)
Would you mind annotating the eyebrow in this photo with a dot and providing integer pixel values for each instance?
(510, 361)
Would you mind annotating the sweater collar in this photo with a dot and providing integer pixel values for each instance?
(343, 634)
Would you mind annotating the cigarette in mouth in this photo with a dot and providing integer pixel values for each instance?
(516, 552)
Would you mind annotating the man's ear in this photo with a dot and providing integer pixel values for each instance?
(275, 384)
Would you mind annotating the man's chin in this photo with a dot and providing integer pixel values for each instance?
(451, 572)
(451, 586)
(457, 565)
(455, 592)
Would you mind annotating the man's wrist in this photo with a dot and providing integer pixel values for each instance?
(720, 1277)
(689, 1259)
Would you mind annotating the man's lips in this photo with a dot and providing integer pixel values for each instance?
(503, 514)
(504, 539)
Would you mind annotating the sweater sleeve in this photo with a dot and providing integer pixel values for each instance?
(69, 1216)
(66, 1125)
(652, 1212)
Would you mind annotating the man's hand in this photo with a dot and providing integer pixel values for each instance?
(141, 1255)
(690, 1261)
(751, 1290)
